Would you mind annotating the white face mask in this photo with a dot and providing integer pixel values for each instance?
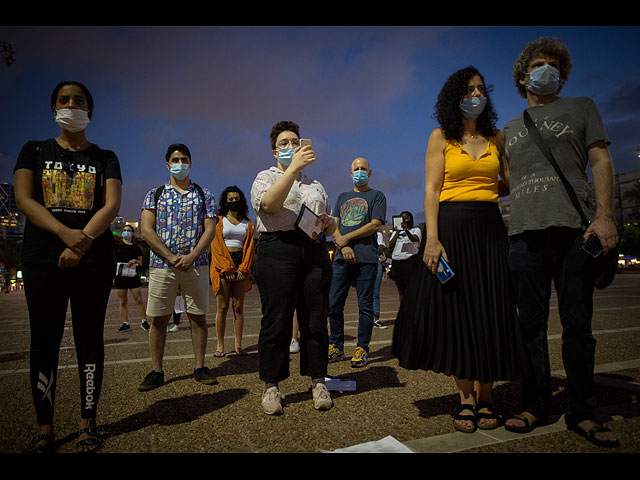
(72, 120)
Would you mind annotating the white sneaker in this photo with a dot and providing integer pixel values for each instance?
(295, 346)
(321, 398)
(272, 401)
(174, 328)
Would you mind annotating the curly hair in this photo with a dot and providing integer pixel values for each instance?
(447, 109)
(280, 127)
(243, 211)
(542, 47)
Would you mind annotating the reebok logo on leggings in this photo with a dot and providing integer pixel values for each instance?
(89, 385)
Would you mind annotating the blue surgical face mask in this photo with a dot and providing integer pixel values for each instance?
(360, 177)
(126, 234)
(285, 155)
(472, 107)
(544, 80)
(180, 171)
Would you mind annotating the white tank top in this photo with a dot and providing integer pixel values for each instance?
(234, 235)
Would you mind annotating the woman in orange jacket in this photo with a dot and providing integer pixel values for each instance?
(232, 254)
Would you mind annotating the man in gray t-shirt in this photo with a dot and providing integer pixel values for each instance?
(358, 214)
(546, 233)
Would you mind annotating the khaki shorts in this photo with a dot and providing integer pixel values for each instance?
(163, 288)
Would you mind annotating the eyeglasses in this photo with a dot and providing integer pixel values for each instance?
(285, 143)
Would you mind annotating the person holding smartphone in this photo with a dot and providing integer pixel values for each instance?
(404, 244)
(292, 271)
(467, 327)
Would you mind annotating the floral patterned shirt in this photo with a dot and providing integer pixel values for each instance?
(180, 221)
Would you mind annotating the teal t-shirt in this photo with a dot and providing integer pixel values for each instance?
(355, 210)
(538, 198)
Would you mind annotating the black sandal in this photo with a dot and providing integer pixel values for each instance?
(528, 426)
(93, 442)
(591, 435)
(487, 416)
(36, 447)
(467, 418)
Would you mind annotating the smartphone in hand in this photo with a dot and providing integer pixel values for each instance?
(444, 272)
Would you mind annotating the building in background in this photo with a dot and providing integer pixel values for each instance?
(11, 219)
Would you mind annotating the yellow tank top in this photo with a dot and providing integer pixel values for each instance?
(469, 180)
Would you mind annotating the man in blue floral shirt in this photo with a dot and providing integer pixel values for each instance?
(178, 222)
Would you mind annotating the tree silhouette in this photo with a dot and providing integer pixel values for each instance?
(7, 52)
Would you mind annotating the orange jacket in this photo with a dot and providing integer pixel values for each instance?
(221, 261)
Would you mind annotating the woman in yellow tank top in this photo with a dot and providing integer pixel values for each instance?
(467, 327)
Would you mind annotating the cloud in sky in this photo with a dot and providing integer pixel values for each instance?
(356, 91)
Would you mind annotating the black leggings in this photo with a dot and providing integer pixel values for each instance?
(48, 291)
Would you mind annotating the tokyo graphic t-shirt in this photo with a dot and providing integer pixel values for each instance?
(71, 186)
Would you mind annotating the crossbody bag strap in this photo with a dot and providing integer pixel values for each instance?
(544, 148)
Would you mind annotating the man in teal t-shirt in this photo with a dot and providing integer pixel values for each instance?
(358, 215)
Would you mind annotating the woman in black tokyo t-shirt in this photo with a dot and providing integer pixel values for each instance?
(69, 190)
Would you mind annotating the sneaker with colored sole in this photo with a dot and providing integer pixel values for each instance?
(360, 359)
(335, 354)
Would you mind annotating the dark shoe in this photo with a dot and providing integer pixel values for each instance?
(465, 418)
(528, 427)
(591, 435)
(145, 326)
(204, 375)
(487, 416)
(36, 447)
(151, 381)
(124, 328)
(90, 444)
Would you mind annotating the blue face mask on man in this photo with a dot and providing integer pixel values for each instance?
(285, 155)
(180, 171)
(360, 177)
(126, 234)
(544, 80)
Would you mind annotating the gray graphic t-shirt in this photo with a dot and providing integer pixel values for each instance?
(538, 198)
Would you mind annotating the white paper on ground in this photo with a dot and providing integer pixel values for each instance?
(385, 445)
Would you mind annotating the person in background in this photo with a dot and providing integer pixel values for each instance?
(128, 255)
(232, 255)
(178, 309)
(69, 189)
(376, 287)
(292, 270)
(466, 327)
(547, 235)
(404, 243)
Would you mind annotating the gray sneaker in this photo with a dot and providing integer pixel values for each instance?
(272, 401)
(335, 354)
(321, 398)
(151, 381)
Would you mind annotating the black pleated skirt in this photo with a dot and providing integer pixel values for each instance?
(467, 327)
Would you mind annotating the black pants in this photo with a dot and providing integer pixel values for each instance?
(292, 274)
(48, 291)
(536, 258)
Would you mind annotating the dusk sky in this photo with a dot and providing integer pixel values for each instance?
(355, 92)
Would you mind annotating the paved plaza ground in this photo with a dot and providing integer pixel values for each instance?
(412, 407)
